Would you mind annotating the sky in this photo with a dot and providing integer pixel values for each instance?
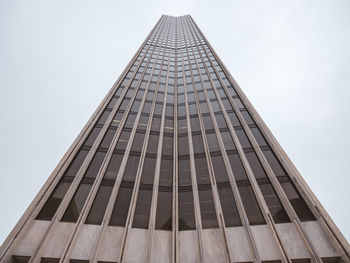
(58, 59)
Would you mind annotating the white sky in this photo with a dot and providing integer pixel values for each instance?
(58, 59)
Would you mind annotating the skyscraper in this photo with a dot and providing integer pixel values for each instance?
(175, 165)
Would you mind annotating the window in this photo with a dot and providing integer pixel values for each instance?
(99, 205)
(207, 208)
(296, 200)
(92, 136)
(52, 203)
(250, 204)
(76, 163)
(164, 208)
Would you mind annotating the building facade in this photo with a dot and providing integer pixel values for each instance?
(175, 165)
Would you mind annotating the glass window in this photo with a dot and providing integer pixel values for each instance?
(121, 205)
(250, 204)
(168, 145)
(208, 124)
(202, 170)
(131, 168)
(229, 207)
(99, 205)
(298, 203)
(95, 165)
(164, 208)
(195, 125)
(113, 167)
(246, 116)
(186, 212)
(219, 169)
(258, 136)
(237, 167)
(123, 140)
(152, 143)
(227, 140)
(198, 143)
(274, 204)
(183, 145)
(220, 121)
(274, 163)
(207, 208)
(130, 121)
(76, 204)
(213, 142)
(53, 202)
(92, 136)
(256, 166)
(243, 139)
(234, 119)
(107, 139)
(76, 163)
(103, 117)
(166, 172)
(143, 206)
(137, 143)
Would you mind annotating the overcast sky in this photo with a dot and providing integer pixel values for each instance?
(58, 59)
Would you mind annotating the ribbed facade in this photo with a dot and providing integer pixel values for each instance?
(175, 165)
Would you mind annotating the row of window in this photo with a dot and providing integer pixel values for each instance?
(145, 190)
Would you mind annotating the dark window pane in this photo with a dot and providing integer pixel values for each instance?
(237, 167)
(103, 117)
(198, 143)
(207, 208)
(92, 136)
(221, 121)
(113, 167)
(166, 172)
(250, 205)
(76, 163)
(243, 139)
(153, 143)
(229, 207)
(234, 119)
(219, 169)
(99, 205)
(298, 203)
(258, 137)
(131, 168)
(274, 163)
(95, 165)
(155, 124)
(143, 206)
(213, 142)
(123, 140)
(107, 139)
(76, 204)
(121, 205)
(208, 124)
(137, 143)
(274, 204)
(164, 208)
(256, 166)
(184, 172)
(246, 117)
(51, 205)
(148, 171)
(195, 126)
(130, 121)
(168, 145)
(227, 140)
(186, 212)
(202, 171)
(183, 145)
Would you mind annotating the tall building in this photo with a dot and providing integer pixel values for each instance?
(177, 166)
